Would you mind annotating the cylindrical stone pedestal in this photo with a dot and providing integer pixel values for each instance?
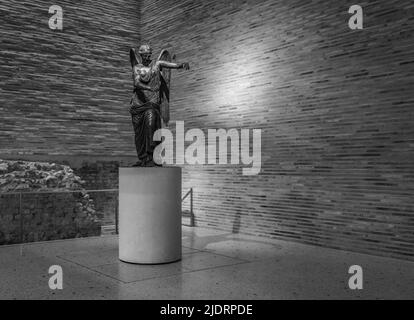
(150, 214)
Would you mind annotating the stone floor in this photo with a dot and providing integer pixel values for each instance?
(215, 265)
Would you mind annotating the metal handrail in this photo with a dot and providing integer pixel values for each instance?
(186, 195)
(57, 191)
(79, 190)
(192, 218)
(20, 193)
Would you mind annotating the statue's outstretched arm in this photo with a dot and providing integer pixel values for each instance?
(173, 65)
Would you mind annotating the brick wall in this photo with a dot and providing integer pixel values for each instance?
(99, 173)
(67, 91)
(334, 106)
(10, 219)
(46, 216)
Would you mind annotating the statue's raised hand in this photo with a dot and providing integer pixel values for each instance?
(185, 66)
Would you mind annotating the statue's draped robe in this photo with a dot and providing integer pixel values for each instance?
(145, 109)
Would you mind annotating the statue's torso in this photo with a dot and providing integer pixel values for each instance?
(149, 76)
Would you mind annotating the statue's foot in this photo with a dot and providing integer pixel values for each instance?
(151, 163)
(139, 163)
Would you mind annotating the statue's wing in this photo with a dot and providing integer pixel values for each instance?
(165, 87)
(134, 58)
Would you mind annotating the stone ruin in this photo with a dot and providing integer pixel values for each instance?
(62, 209)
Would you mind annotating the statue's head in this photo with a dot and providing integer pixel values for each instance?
(145, 52)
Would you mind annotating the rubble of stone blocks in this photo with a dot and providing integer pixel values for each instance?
(62, 209)
(37, 176)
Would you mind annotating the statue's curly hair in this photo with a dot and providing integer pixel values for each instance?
(145, 47)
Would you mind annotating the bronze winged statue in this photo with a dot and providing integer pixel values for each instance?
(149, 105)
